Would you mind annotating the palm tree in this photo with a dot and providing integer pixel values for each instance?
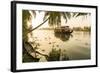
(76, 14)
(26, 16)
(54, 19)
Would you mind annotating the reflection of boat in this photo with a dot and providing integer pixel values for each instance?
(63, 29)
(63, 36)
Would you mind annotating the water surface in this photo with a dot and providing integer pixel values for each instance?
(76, 45)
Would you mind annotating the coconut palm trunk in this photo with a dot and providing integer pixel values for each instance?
(53, 18)
(39, 25)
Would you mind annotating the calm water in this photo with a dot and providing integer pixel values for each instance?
(76, 46)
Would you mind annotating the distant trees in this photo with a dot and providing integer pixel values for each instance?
(53, 19)
(85, 28)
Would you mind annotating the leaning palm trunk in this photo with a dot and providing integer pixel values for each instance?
(53, 19)
(32, 51)
(39, 25)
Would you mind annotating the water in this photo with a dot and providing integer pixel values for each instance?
(76, 46)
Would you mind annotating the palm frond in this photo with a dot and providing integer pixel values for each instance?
(68, 14)
(34, 13)
(26, 14)
(81, 14)
(46, 15)
(76, 14)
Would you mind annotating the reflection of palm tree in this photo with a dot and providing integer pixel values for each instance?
(53, 18)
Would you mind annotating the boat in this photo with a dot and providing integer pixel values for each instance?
(63, 29)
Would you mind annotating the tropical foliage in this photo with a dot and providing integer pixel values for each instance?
(55, 17)
(54, 20)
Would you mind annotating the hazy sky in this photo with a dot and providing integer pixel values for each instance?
(80, 21)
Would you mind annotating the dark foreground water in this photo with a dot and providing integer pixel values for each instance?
(75, 46)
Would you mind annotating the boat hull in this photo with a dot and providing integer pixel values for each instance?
(63, 31)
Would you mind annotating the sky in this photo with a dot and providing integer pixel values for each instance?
(80, 21)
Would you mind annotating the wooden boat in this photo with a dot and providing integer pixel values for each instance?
(63, 29)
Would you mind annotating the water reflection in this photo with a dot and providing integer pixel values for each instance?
(63, 36)
(61, 46)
